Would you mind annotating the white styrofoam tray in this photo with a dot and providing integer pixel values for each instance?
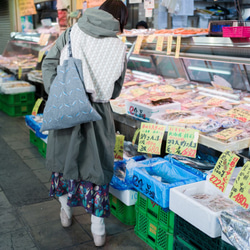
(144, 111)
(194, 212)
(128, 197)
(16, 87)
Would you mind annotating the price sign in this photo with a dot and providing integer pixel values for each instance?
(79, 4)
(40, 56)
(118, 150)
(159, 43)
(44, 39)
(20, 72)
(150, 138)
(138, 92)
(178, 47)
(223, 170)
(167, 88)
(240, 191)
(150, 38)
(214, 102)
(124, 39)
(138, 44)
(226, 134)
(36, 106)
(26, 7)
(240, 114)
(169, 47)
(182, 141)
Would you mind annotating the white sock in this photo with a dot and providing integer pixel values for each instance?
(63, 200)
(97, 225)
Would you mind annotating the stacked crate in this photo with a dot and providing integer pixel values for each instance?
(39, 143)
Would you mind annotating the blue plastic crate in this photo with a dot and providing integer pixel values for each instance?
(159, 175)
(35, 125)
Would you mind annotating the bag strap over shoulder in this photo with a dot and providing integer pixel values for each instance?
(69, 44)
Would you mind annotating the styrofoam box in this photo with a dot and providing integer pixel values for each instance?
(194, 212)
(144, 111)
(128, 197)
(16, 87)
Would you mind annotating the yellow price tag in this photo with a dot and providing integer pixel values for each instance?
(44, 39)
(178, 47)
(182, 141)
(138, 44)
(240, 191)
(169, 47)
(119, 145)
(228, 133)
(240, 114)
(150, 38)
(79, 4)
(40, 55)
(124, 39)
(159, 44)
(20, 72)
(150, 139)
(36, 106)
(135, 136)
(223, 170)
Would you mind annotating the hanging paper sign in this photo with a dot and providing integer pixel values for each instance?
(169, 46)
(178, 47)
(26, 7)
(79, 4)
(20, 72)
(240, 191)
(240, 114)
(148, 12)
(150, 138)
(223, 170)
(138, 44)
(149, 4)
(119, 145)
(44, 39)
(40, 56)
(182, 141)
(150, 38)
(228, 133)
(36, 106)
(159, 44)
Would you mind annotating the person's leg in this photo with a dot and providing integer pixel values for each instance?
(98, 230)
(66, 211)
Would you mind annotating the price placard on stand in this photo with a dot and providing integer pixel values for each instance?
(119, 145)
(36, 106)
(240, 114)
(138, 44)
(223, 170)
(240, 191)
(150, 138)
(178, 47)
(182, 141)
(44, 39)
(169, 46)
(159, 44)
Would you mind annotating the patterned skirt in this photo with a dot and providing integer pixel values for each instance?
(94, 198)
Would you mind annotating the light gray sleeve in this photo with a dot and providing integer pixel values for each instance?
(119, 82)
(51, 61)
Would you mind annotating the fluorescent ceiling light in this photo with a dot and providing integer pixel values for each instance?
(224, 72)
(133, 58)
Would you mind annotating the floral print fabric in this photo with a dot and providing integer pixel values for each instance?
(94, 198)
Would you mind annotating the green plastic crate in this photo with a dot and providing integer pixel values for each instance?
(42, 147)
(152, 232)
(17, 110)
(126, 214)
(18, 99)
(34, 139)
(154, 212)
(180, 244)
(194, 236)
(1, 105)
(226, 246)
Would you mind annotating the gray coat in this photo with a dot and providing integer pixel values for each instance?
(84, 151)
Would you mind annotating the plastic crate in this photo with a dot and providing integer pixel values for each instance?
(17, 110)
(153, 233)
(1, 104)
(42, 147)
(226, 246)
(155, 212)
(34, 139)
(126, 214)
(18, 99)
(194, 236)
(240, 31)
(180, 244)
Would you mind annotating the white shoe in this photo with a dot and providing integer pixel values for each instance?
(65, 220)
(99, 240)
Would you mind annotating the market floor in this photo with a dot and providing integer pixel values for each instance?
(29, 218)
